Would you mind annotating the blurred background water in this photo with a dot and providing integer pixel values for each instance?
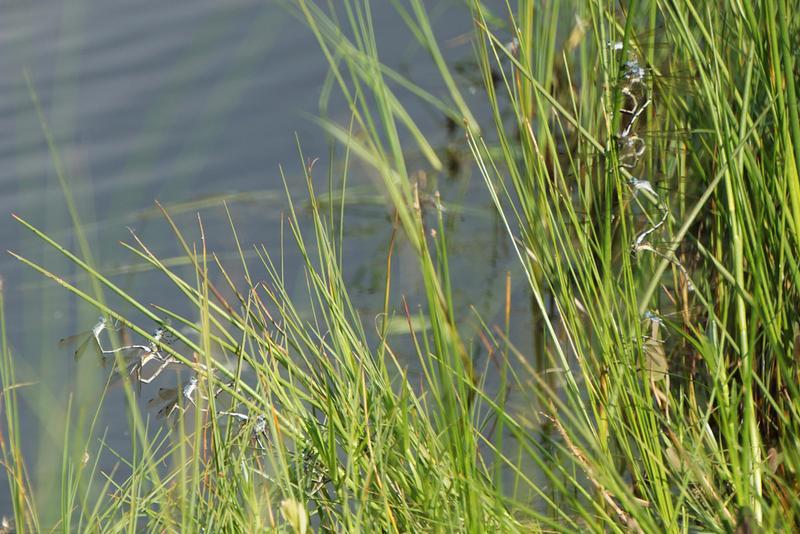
(193, 103)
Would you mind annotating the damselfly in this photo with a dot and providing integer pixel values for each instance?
(645, 187)
(258, 431)
(642, 237)
(85, 338)
(630, 149)
(673, 320)
(641, 246)
(653, 317)
(169, 400)
(141, 355)
(639, 42)
(642, 85)
(312, 474)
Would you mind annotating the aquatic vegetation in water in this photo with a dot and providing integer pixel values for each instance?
(647, 402)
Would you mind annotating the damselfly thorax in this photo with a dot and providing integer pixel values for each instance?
(175, 400)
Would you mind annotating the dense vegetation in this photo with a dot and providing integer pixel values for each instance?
(643, 160)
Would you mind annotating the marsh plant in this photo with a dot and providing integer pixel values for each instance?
(642, 159)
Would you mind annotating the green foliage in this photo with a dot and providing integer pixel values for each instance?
(668, 400)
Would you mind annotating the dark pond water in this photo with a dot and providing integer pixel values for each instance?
(190, 102)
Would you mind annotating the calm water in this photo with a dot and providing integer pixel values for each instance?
(187, 102)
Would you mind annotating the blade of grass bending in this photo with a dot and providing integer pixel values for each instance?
(429, 41)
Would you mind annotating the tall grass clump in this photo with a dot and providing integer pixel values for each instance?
(297, 420)
(643, 160)
(679, 353)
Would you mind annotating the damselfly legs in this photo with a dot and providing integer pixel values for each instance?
(153, 351)
(133, 356)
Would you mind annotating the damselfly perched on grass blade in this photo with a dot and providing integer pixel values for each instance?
(150, 352)
(643, 246)
(258, 429)
(635, 72)
(675, 320)
(644, 186)
(85, 338)
(633, 147)
(129, 360)
(170, 400)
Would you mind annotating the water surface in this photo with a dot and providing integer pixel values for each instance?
(188, 102)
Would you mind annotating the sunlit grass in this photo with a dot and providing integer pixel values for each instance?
(663, 388)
